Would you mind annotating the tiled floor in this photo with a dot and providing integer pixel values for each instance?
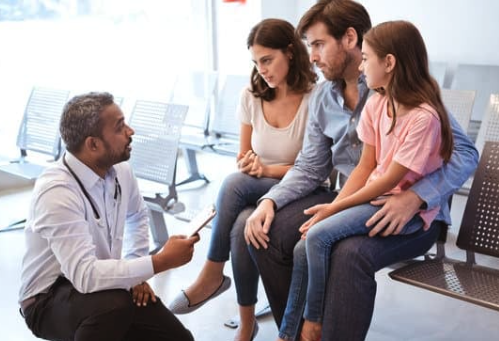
(402, 312)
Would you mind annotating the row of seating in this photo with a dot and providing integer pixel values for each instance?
(157, 132)
(479, 231)
(478, 234)
(483, 79)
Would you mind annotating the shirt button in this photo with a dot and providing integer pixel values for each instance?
(354, 145)
(353, 120)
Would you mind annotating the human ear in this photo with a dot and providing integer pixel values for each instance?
(91, 143)
(390, 62)
(289, 52)
(350, 38)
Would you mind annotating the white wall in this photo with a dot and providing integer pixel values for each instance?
(458, 31)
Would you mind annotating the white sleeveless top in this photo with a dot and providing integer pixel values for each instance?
(274, 146)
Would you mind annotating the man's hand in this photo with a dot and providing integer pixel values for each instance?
(396, 212)
(177, 251)
(258, 224)
(142, 293)
(318, 212)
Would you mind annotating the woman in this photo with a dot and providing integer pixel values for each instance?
(273, 112)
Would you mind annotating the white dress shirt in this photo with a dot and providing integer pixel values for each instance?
(64, 237)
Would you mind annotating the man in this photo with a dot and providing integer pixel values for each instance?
(75, 285)
(334, 31)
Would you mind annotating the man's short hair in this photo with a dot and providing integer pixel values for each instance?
(338, 16)
(81, 118)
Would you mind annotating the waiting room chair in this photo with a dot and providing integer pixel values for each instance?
(437, 70)
(479, 233)
(38, 133)
(460, 104)
(155, 144)
(488, 131)
(484, 79)
(226, 125)
(195, 90)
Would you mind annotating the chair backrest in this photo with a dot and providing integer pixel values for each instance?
(39, 130)
(489, 129)
(479, 230)
(437, 70)
(225, 121)
(460, 104)
(195, 90)
(155, 143)
(484, 79)
(118, 100)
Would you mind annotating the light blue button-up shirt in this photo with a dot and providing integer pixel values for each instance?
(331, 142)
(64, 238)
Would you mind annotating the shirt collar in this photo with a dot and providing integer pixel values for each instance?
(336, 88)
(86, 175)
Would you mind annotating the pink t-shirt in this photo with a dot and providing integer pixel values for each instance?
(414, 143)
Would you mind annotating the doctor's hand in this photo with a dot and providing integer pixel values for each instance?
(177, 251)
(142, 293)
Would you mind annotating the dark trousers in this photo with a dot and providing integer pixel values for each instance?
(351, 288)
(65, 314)
(275, 263)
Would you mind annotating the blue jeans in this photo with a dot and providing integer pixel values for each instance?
(237, 192)
(351, 288)
(275, 264)
(311, 263)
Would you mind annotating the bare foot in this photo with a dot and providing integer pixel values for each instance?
(244, 332)
(311, 331)
(247, 324)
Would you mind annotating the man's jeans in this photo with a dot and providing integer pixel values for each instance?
(351, 288)
(312, 261)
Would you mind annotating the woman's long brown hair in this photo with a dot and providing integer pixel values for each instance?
(280, 35)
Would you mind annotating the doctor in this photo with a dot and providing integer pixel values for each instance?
(75, 284)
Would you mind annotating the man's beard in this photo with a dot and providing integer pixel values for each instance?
(337, 71)
(112, 157)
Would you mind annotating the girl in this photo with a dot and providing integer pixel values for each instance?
(273, 112)
(406, 134)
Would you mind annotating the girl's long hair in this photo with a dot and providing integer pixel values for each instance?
(411, 84)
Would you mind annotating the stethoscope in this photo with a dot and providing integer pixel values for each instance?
(117, 191)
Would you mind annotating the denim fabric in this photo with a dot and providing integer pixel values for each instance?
(275, 263)
(311, 263)
(351, 285)
(244, 269)
(331, 140)
(320, 240)
(351, 288)
(292, 319)
(238, 191)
